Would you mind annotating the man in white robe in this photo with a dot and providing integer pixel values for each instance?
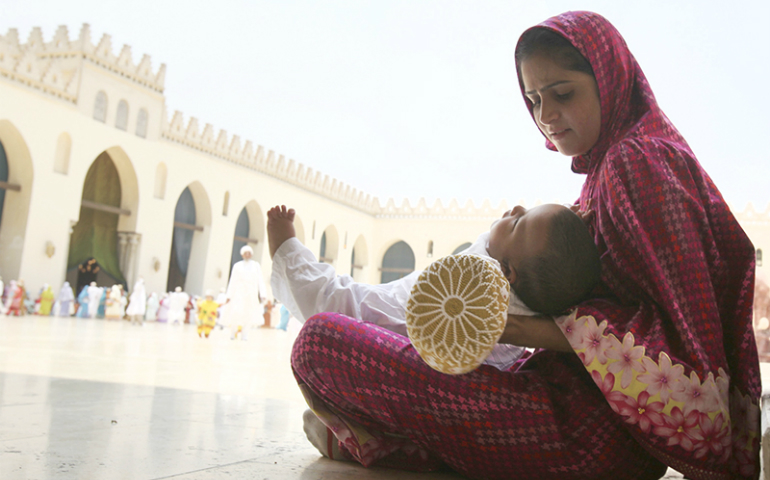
(177, 302)
(138, 303)
(94, 297)
(245, 293)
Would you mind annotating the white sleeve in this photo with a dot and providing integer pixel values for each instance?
(308, 287)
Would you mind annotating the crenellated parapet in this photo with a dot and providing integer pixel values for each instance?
(266, 161)
(55, 67)
(246, 154)
(750, 216)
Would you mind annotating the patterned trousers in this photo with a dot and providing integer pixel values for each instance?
(544, 418)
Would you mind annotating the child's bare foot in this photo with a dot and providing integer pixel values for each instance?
(280, 227)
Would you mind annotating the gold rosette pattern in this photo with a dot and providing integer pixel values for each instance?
(457, 311)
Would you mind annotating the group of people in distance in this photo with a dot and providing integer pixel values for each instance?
(240, 307)
(640, 352)
(16, 301)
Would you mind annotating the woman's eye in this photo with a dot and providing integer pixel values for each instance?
(535, 101)
(564, 96)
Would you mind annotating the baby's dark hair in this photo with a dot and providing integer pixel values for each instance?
(565, 272)
(554, 46)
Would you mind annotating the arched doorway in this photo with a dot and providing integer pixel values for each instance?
(16, 191)
(329, 247)
(4, 185)
(462, 247)
(249, 230)
(359, 259)
(397, 262)
(189, 242)
(93, 252)
(181, 241)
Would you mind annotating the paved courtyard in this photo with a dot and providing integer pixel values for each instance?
(95, 399)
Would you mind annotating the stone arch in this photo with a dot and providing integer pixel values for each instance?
(330, 245)
(61, 161)
(299, 229)
(100, 106)
(397, 262)
(141, 123)
(429, 252)
(359, 259)
(462, 247)
(200, 228)
(249, 230)
(18, 192)
(226, 203)
(121, 115)
(161, 172)
(106, 225)
(129, 185)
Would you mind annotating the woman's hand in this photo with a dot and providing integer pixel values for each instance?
(538, 331)
(584, 212)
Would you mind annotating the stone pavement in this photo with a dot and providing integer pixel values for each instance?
(95, 399)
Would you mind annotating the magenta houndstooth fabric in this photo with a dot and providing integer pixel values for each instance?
(543, 419)
(670, 342)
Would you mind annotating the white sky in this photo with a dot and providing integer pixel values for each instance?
(410, 99)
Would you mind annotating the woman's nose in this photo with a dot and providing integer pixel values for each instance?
(548, 112)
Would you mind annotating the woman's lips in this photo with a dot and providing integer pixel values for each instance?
(558, 135)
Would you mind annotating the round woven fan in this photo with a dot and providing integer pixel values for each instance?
(457, 312)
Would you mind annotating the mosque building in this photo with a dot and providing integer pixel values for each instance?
(98, 183)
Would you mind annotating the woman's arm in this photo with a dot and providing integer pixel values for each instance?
(534, 332)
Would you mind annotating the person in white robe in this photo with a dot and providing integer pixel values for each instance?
(245, 293)
(112, 309)
(65, 301)
(138, 303)
(94, 297)
(153, 304)
(177, 302)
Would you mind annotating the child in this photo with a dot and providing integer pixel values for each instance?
(207, 314)
(546, 253)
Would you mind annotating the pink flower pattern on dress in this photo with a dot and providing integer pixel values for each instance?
(616, 399)
(701, 425)
(702, 397)
(662, 377)
(716, 437)
(643, 413)
(628, 358)
(680, 429)
(594, 342)
(571, 329)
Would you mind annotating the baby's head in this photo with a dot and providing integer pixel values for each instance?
(548, 256)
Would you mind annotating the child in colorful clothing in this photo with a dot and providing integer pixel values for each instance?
(207, 314)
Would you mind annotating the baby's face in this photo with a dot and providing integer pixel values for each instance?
(520, 234)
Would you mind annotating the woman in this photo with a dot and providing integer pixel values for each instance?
(659, 368)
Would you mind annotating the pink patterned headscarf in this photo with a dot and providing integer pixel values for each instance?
(668, 337)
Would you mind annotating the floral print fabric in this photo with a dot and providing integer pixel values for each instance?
(669, 336)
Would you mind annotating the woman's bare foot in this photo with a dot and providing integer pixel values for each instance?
(320, 436)
(280, 227)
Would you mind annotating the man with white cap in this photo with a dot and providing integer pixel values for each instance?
(176, 305)
(244, 293)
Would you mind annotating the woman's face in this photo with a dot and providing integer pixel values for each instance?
(565, 103)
